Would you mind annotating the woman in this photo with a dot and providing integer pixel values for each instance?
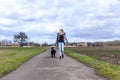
(61, 40)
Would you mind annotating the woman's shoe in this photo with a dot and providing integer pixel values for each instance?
(60, 57)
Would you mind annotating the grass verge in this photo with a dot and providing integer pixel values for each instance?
(110, 71)
(12, 58)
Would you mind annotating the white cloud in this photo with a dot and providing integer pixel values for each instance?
(6, 29)
(88, 23)
(6, 21)
(48, 16)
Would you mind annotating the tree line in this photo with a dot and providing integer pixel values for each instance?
(107, 43)
(22, 39)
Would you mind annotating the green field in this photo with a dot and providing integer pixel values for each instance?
(93, 57)
(111, 55)
(11, 58)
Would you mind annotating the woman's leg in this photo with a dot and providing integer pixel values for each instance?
(59, 46)
(62, 48)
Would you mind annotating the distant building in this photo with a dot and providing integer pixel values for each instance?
(4, 42)
(45, 44)
(33, 44)
(90, 44)
(15, 44)
(82, 44)
(72, 44)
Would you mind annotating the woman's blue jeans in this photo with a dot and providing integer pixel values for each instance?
(61, 48)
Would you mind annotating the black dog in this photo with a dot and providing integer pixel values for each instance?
(53, 52)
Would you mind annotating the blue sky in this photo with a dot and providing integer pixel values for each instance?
(82, 20)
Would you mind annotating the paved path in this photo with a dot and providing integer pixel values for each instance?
(42, 67)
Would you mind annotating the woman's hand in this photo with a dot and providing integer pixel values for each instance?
(66, 43)
(56, 44)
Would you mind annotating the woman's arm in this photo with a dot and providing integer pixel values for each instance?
(65, 39)
(57, 40)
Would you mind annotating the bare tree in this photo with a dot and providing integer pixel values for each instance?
(20, 38)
